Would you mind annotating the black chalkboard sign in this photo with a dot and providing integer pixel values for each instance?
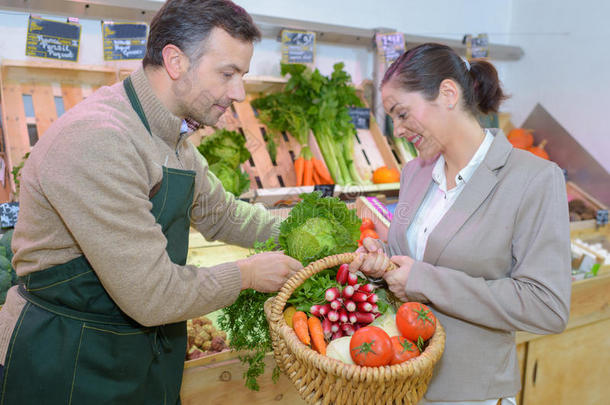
(124, 40)
(53, 39)
(361, 117)
(327, 190)
(298, 46)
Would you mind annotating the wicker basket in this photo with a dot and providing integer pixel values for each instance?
(323, 380)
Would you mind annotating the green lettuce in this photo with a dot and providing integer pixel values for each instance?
(225, 151)
(318, 227)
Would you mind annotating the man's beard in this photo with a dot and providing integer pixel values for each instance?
(198, 107)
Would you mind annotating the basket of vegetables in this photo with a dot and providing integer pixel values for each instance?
(344, 353)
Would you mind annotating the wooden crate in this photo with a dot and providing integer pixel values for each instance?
(575, 191)
(34, 94)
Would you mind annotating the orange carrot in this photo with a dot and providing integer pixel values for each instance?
(322, 171)
(299, 323)
(299, 165)
(308, 173)
(316, 177)
(317, 335)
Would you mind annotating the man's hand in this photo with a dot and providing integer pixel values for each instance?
(268, 271)
(397, 279)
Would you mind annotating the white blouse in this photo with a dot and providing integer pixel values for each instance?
(438, 199)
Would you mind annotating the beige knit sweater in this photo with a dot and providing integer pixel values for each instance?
(85, 190)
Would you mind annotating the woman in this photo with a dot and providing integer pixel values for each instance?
(481, 230)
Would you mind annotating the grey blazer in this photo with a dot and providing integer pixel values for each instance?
(497, 262)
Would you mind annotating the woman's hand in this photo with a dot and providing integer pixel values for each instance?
(397, 279)
(371, 264)
(370, 245)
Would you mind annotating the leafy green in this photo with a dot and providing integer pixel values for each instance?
(225, 151)
(224, 146)
(312, 101)
(16, 171)
(246, 324)
(313, 289)
(234, 181)
(318, 227)
(8, 277)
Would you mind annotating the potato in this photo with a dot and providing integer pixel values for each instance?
(206, 346)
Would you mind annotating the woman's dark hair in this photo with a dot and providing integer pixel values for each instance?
(424, 67)
(187, 23)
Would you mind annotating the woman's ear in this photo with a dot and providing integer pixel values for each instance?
(448, 94)
(174, 61)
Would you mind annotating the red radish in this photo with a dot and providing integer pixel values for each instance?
(352, 279)
(334, 327)
(352, 318)
(367, 288)
(337, 335)
(365, 317)
(350, 305)
(333, 316)
(327, 328)
(360, 297)
(343, 315)
(373, 298)
(315, 310)
(332, 294)
(348, 329)
(356, 287)
(336, 304)
(347, 292)
(325, 309)
(377, 314)
(342, 274)
(364, 306)
(375, 309)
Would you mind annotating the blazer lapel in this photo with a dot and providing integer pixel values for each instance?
(474, 194)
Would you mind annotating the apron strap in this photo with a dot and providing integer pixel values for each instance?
(135, 102)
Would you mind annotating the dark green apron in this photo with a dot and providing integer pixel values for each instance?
(73, 345)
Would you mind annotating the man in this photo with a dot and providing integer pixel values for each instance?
(107, 198)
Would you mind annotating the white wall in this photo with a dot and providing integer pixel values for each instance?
(565, 68)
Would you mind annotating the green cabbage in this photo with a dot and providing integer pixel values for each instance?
(318, 227)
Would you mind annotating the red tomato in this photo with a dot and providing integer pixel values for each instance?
(415, 320)
(404, 349)
(371, 347)
(367, 223)
(368, 233)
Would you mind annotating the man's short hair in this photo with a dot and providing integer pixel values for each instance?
(187, 23)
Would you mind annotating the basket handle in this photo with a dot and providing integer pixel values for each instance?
(299, 278)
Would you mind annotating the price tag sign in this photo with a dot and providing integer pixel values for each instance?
(123, 41)
(8, 214)
(390, 45)
(361, 117)
(298, 46)
(328, 190)
(53, 39)
(476, 47)
(602, 217)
